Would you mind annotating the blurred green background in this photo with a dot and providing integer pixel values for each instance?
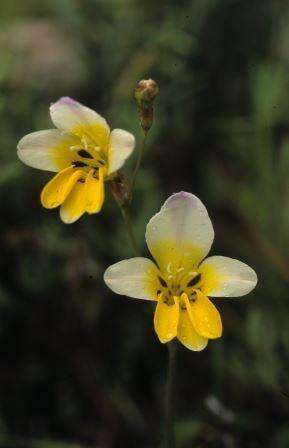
(81, 367)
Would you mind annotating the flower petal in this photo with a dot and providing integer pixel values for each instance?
(204, 316)
(47, 150)
(74, 205)
(121, 145)
(56, 191)
(226, 277)
(135, 277)
(166, 320)
(70, 116)
(94, 192)
(181, 232)
(188, 336)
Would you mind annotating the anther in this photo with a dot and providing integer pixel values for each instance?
(84, 142)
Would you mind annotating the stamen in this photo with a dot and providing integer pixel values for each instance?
(182, 301)
(75, 147)
(84, 142)
(180, 269)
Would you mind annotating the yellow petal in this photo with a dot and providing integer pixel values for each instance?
(74, 206)
(187, 335)
(204, 315)
(94, 192)
(166, 320)
(56, 191)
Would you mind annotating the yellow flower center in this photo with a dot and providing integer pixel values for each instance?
(177, 281)
(88, 156)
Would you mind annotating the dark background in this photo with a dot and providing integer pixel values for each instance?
(81, 367)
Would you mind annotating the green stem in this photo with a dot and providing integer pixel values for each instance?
(139, 159)
(169, 397)
(127, 220)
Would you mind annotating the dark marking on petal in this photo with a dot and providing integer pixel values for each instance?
(162, 282)
(78, 164)
(193, 297)
(194, 281)
(85, 154)
(95, 174)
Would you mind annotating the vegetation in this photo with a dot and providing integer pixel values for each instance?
(80, 366)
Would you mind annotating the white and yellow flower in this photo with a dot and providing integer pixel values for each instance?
(179, 237)
(84, 153)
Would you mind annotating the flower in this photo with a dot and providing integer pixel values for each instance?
(179, 237)
(83, 152)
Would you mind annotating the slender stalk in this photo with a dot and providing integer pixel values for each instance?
(139, 159)
(127, 220)
(169, 397)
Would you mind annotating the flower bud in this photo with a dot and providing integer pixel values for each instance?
(121, 189)
(145, 93)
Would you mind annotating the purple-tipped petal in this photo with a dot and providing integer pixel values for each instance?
(66, 100)
(182, 230)
(71, 116)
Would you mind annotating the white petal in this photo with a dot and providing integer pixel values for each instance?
(226, 277)
(135, 277)
(121, 146)
(70, 116)
(181, 232)
(47, 150)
